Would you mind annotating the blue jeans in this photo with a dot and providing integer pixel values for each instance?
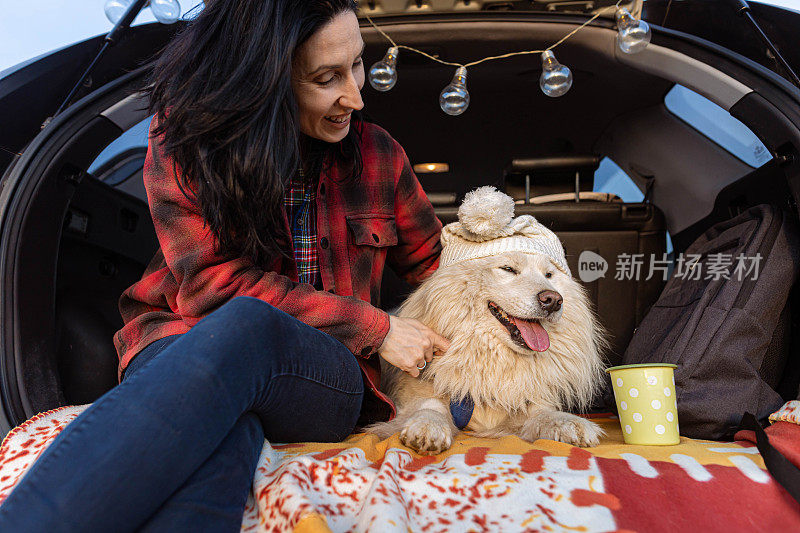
(175, 445)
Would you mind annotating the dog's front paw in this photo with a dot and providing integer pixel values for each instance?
(563, 427)
(427, 432)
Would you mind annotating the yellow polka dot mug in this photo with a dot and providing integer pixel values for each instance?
(648, 409)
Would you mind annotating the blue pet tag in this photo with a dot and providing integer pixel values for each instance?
(462, 411)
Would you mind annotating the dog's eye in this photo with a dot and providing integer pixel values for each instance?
(549, 275)
(509, 269)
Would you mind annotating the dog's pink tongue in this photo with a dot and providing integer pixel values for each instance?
(534, 334)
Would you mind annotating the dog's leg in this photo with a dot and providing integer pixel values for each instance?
(428, 429)
(426, 426)
(560, 426)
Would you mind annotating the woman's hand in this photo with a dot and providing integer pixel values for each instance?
(410, 343)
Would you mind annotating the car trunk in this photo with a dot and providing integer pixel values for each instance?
(73, 239)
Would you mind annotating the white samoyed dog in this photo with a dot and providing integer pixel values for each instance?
(526, 346)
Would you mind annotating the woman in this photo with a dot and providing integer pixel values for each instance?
(252, 320)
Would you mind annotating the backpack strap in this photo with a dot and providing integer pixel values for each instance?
(782, 470)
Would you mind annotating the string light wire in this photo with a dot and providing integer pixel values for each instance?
(491, 58)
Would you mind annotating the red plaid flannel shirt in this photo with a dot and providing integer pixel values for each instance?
(383, 217)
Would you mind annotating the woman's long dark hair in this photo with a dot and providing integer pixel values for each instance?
(222, 93)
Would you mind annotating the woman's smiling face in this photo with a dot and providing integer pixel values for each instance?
(327, 77)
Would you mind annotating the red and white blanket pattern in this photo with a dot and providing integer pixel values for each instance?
(364, 484)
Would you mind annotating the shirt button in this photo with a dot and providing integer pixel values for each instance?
(366, 351)
(324, 242)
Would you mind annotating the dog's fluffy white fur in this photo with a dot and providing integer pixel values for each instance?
(516, 391)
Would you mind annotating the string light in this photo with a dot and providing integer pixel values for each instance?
(454, 99)
(556, 79)
(115, 9)
(165, 11)
(383, 74)
(634, 35)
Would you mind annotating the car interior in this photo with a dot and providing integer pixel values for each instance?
(87, 235)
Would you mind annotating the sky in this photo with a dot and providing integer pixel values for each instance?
(31, 28)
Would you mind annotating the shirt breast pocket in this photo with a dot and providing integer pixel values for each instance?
(374, 230)
(370, 237)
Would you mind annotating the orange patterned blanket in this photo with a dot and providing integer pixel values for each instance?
(365, 484)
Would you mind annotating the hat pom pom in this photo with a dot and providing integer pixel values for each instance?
(486, 212)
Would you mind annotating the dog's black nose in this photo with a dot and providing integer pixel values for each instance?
(551, 301)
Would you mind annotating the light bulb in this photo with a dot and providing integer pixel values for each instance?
(556, 79)
(633, 35)
(116, 8)
(166, 11)
(383, 74)
(454, 99)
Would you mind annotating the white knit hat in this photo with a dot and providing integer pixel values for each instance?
(486, 226)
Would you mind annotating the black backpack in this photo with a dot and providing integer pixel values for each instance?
(725, 335)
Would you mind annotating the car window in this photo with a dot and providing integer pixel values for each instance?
(120, 163)
(610, 178)
(136, 137)
(717, 124)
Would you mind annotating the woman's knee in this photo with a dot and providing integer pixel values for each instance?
(248, 309)
(245, 320)
(249, 333)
